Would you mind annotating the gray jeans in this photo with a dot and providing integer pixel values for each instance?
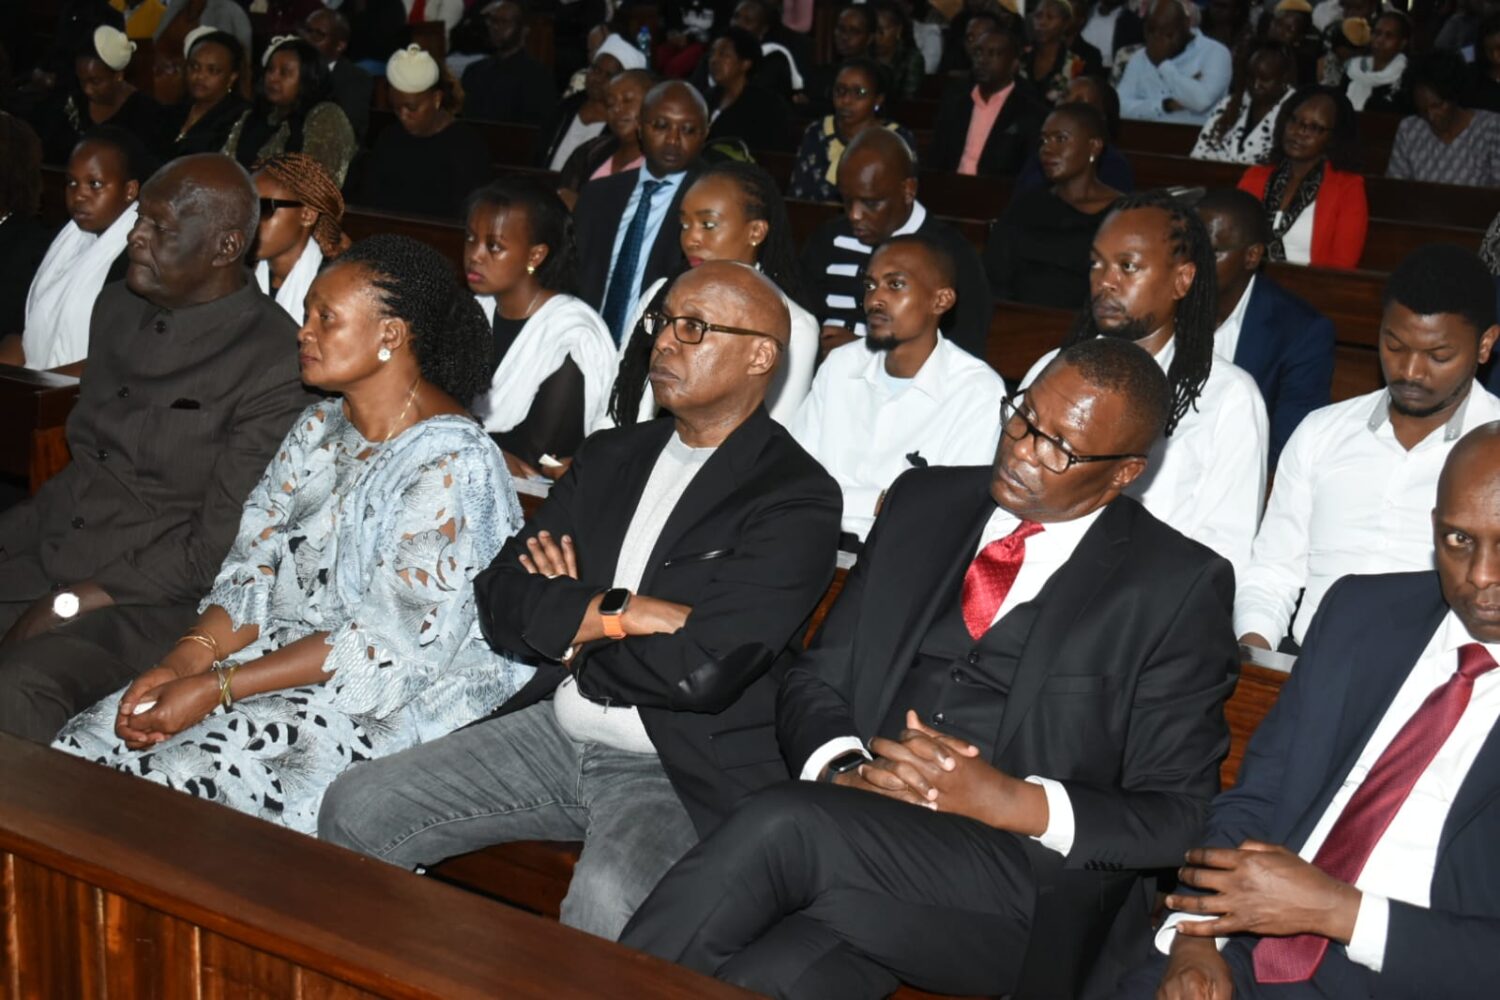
(520, 777)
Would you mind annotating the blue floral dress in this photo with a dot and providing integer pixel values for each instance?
(377, 545)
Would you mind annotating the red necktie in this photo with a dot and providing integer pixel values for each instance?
(990, 577)
(1372, 807)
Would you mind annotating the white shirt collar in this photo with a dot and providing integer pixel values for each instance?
(1452, 430)
(1452, 635)
(932, 379)
(1061, 536)
(914, 221)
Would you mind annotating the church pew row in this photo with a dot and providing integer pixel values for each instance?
(1377, 133)
(115, 886)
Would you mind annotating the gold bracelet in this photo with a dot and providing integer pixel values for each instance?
(226, 675)
(206, 641)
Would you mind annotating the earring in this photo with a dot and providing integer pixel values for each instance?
(1091, 159)
(384, 354)
(530, 269)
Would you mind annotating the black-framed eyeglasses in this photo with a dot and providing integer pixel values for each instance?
(1053, 454)
(691, 329)
(268, 206)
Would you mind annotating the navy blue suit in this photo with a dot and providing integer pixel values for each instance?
(1368, 633)
(1287, 347)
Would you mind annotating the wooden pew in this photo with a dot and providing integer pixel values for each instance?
(115, 886)
(1377, 133)
(34, 408)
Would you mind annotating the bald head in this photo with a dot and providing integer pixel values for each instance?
(877, 184)
(885, 147)
(214, 186)
(713, 379)
(674, 126)
(1466, 531)
(197, 217)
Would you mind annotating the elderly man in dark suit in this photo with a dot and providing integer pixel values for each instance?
(1282, 342)
(655, 587)
(191, 382)
(988, 126)
(628, 237)
(1031, 659)
(1380, 767)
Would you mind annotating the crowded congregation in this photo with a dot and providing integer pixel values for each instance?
(713, 498)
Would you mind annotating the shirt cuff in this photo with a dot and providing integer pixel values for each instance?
(833, 748)
(1168, 932)
(1371, 926)
(1060, 824)
(1272, 628)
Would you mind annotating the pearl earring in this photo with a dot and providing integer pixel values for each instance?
(530, 269)
(384, 354)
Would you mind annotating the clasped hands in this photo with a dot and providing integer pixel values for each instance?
(184, 692)
(1257, 888)
(946, 774)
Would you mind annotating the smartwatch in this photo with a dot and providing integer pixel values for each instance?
(843, 764)
(611, 606)
(65, 605)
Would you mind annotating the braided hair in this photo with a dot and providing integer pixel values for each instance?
(307, 178)
(762, 202)
(453, 343)
(1195, 320)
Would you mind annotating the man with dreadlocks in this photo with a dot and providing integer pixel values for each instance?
(1152, 281)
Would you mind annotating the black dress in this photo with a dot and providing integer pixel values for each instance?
(139, 115)
(427, 175)
(209, 133)
(759, 117)
(554, 424)
(1038, 251)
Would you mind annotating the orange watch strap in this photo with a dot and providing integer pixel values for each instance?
(612, 626)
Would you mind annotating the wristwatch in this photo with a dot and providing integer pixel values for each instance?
(65, 605)
(611, 606)
(843, 764)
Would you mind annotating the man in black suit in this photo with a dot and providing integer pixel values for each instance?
(510, 85)
(1284, 344)
(628, 237)
(970, 136)
(328, 32)
(654, 598)
(1055, 704)
(1380, 764)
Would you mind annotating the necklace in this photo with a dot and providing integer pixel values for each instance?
(411, 396)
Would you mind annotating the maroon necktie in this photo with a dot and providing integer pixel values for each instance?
(1372, 807)
(990, 577)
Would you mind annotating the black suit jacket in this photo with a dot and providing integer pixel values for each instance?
(352, 90)
(1010, 141)
(600, 213)
(1118, 695)
(750, 547)
(1367, 635)
(1287, 347)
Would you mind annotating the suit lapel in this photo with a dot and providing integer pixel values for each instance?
(1480, 787)
(1075, 585)
(1255, 329)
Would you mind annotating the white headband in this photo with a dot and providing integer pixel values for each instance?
(412, 70)
(113, 47)
(629, 56)
(276, 43)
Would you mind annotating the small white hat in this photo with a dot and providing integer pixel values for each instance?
(276, 43)
(412, 70)
(113, 47)
(629, 56)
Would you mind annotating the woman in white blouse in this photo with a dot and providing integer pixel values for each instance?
(300, 214)
(554, 356)
(1242, 126)
(733, 211)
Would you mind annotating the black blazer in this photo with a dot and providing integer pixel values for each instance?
(750, 546)
(352, 90)
(1364, 640)
(1287, 347)
(1011, 140)
(600, 213)
(1119, 693)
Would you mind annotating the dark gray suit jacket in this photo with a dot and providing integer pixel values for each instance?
(177, 415)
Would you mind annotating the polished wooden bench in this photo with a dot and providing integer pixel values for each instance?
(34, 408)
(1377, 133)
(111, 886)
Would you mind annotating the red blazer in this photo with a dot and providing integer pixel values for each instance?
(1341, 215)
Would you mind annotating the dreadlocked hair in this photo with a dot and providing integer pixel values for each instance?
(1194, 322)
(454, 345)
(630, 383)
(307, 178)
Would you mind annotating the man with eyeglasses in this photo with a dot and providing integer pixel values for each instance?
(624, 242)
(904, 396)
(191, 383)
(1033, 660)
(653, 589)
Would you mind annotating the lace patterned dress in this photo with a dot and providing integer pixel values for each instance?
(377, 545)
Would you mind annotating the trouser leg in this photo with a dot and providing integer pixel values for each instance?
(46, 680)
(513, 778)
(637, 829)
(940, 901)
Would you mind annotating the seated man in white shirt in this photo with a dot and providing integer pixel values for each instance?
(1357, 478)
(1152, 281)
(1179, 75)
(903, 397)
(1378, 768)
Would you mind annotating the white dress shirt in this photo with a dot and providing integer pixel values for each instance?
(1401, 865)
(866, 428)
(1227, 336)
(1197, 77)
(1348, 499)
(1046, 552)
(1208, 480)
(661, 201)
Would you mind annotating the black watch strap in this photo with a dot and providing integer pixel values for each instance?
(844, 763)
